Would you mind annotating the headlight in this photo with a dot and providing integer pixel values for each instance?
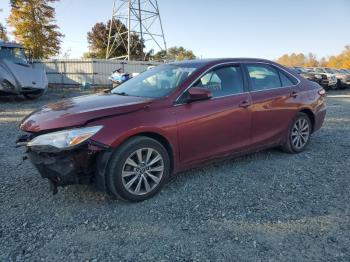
(65, 139)
(318, 76)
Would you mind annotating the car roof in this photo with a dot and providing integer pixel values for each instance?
(9, 44)
(210, 61)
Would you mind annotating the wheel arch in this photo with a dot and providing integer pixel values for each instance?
(311, 115)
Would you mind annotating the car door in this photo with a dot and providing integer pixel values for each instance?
(219, 125)
(274, 95)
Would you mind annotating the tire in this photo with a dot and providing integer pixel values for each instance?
(127, 177)
(333, 87)
(325, 87)
(299, 130)
(339, 85)
(32, 96)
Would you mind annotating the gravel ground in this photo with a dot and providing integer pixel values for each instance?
(269, 206)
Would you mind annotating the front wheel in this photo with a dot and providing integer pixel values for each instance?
(299, 134)
(138, 169)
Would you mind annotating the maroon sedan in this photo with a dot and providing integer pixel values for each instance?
(170, 118)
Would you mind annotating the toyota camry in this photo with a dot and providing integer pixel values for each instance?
(176, 116)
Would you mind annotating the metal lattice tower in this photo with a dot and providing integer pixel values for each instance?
(142, 17)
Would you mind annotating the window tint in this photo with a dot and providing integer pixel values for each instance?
(223, 81)
(263, 77)
(286, 81)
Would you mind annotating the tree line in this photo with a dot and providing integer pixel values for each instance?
(98, 42)
(341, 61)
(36, 29)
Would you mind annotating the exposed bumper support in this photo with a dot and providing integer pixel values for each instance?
(67, 167)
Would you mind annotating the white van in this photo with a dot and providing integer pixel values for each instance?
(18, 75)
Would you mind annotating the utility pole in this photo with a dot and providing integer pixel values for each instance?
(129, 30)
(142, 19)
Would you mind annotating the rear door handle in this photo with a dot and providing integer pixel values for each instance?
(294, 94)
(244, 104)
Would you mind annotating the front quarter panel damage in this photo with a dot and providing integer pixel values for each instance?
(66, 167)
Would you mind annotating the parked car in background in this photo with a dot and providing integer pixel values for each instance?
(328, 83)
(130, 141)
(310, 75)
(17, 75)
(343, 78)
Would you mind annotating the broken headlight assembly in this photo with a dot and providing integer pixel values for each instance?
(64, 140)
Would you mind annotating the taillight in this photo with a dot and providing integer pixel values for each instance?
(322, 92)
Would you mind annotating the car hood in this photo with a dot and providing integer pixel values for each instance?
(80, 110)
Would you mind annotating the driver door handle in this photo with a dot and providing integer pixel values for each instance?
(294, 94)
(244, 104)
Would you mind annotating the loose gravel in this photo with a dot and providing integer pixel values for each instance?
(268, 206)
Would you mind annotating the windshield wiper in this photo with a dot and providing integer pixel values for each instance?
(121, 94)
(22, 64)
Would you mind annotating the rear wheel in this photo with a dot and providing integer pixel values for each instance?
(333, 87)
(339, 85)
(299, 134)
(138, 169)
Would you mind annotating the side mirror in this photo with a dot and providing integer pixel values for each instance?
(197, 94)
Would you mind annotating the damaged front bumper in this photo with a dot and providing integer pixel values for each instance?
(79, 165)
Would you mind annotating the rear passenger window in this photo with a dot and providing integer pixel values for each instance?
(263, 77)
(286, 81)
(223, 81)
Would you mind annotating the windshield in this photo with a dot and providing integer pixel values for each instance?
(156, 82)
(319, 70)
(14, 54)
(300, 70)
(329, 71)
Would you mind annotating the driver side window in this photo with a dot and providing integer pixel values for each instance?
(223, 81)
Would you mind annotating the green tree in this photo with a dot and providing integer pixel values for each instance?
(180, 53)
(13, 3)
(159, 56)
(35, 27)
(174, 53)
(3, 32)
(98, 41)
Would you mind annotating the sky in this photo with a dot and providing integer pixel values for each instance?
(223, 28)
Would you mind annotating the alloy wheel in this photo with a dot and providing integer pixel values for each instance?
(300, 133)
(142, 171)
